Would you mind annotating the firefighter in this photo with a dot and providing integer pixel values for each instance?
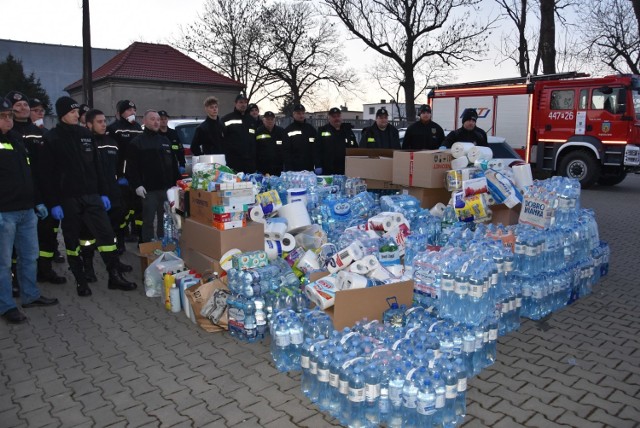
(37, 113)
(468, 132)
(254, 112)
(152, 170)
(107, 151)
(76, 191)
(239, 137)
(172, 136)
(123, 130)
(208, 137)
(332, 142)
(17, 221)
(298, 147)
(32, 136)
(424, 134)
(381, 135)
(269, 140)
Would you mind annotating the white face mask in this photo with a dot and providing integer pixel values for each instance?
(131, 118)
(39, 123)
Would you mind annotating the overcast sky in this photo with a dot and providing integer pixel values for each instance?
(115, 24)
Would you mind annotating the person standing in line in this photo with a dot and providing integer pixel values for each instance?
(298, 147)
(240, 138)
(208, 138)
(381, 135)
(17, 222)
(37, 112)
(269, 140)
(254, 112)
(76, 191)
(468, 132)
(424, 134)
(333, 140)
(152, 170)
(172, 136)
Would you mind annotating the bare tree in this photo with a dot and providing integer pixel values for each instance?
(611, 36)
(517, 11)
(302, 52)
(228, 37)
(410, 31)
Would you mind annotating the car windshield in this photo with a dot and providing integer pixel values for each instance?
(185, 133)
(503, 151)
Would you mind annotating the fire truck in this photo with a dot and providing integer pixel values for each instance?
(568, 124)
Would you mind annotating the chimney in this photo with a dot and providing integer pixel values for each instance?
(383, 101)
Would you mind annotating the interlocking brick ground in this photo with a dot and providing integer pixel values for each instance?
(119, 359)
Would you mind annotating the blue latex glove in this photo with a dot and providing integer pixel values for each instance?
(41, 211)
(56, 212)
(123, 181)
(182, 170)
(318, 171)
(106, 202)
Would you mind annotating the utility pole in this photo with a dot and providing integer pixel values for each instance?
(87, 83)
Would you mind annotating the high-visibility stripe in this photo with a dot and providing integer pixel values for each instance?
(252, 131)
(233, 122)
(107, 248)
(262, 136)
(46, 254)
(278, 142)
(107, 146)
(325, 134)
(55, 230)
(292, 133)
(123, 225)
(138, 222)
(174, 147)
(135, 131)
(32, 136)
(75, 252)
(6, 146)
(312, 139)
(131, 212)
(371, 140)
(87, 242)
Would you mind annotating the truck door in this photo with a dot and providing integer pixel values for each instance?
(557, 117)
(604, 115)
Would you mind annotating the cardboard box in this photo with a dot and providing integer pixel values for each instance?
(381, 185)
(199, 295)
(146, 253)
(201, 205)
(199, 262)
(375, 168)
(429, 197)
(427, 168)
(214, 243)
(501, 214)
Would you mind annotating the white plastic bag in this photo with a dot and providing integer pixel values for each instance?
(166, 262)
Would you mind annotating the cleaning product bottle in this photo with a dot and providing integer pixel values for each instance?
(169, 280)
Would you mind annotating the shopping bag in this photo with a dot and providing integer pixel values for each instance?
(166, 262)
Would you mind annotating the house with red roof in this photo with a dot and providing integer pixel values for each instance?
(159, 77)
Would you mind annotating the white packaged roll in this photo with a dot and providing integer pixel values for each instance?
(210, 159)
(256, 214)
(460, 162)
(485, 164)
(308, 262)
(349, 280)
(438, 209)
(273, 249)
(479, 152)
(322, 292)
(288, 242)
(522, 175)
(275, 230)
(297, 195)
(365, 265)
(296, 215)
(459, 150)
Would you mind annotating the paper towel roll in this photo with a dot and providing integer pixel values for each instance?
(459, 150)
(438, 209)
(308, 262)
(225, 260)
(273, 249)
(210, 159)
(288, 242)
(460, 162)
(256, 214)
(522, 175)
(479, 152)
(275, 230)
(322, 292)
(296, 215)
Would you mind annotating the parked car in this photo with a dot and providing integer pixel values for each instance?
(186, 128)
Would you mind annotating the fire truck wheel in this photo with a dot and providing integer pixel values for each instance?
(612, 180)
(582, 166)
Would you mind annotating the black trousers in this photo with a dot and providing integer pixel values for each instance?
(48, 237)
(152, 209)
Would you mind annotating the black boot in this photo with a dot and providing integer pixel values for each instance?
(15, 287)
(87, 264)
(57, 257)
(82, 288)
(47, 274)
(75, 266)
(122, 268)
(118, 282)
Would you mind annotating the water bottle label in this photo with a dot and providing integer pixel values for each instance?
(372, 392)
(462, 288)
(440, 400)
(531, 251)
(334, 380)
(508, 266)
(297, 337)
(518, 249)
(493, 334)
(282, 341)
(451, 391)
(356, 395)
(504, 307)
(462, 384)
(323, 375)
(395, 395)
(409, 401)
(537, 293)
(468, 346)
(384, 392)
(260, 318)
(476, 291)
(447, 284)
(304, 361)
(426, 408)
(494, 278)
(313, 367)
(346, 337)
(512, 305)
(518, 302)
(526, 291)
(344, 387)
(479, 342)
(485, 337)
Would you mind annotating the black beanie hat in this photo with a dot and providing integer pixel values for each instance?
(15, 96)
(469, 114)
(64, 105)
(125, 105)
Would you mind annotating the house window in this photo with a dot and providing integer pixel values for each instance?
(372, 110)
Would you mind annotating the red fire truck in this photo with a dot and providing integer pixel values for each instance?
(569, 124)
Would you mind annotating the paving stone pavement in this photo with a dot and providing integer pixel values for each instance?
(119, 359)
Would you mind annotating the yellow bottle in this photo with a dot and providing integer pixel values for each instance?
(169, 280)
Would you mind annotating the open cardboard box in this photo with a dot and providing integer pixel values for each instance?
(374, 164)
(146, 253)
(214, 243)
(353, 305)
(426, 168)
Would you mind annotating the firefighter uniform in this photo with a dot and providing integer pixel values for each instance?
(208, 138)
(239, 141)
(376, 138)
(331, 147)
(269, 149)
(176, 146)
(423, 136)
(298, 147)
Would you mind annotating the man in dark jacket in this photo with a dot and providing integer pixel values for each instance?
(37, 108)
(380, 135)
(269, 140)
(240, 138)
(208, 138)
(299, 144)
(424, 134)
(32, 136)
(152, 170)
(254, 111)
(172, 136)
(17, 222)
(468, 132)
(332, 142)
(76, 191)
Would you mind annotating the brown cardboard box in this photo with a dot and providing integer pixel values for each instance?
(501, 214)
(198, 296)
(429, 197)
(375, 168)
(146, 253)
(200, 203)
(378, 184)
(427, 168)
(214, 243)
(199, 262)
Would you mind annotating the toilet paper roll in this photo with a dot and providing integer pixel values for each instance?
(322, 292)
(308, 262)
(438, 209)
(460, 162)
(256, 214)
(479, 152)
(275, 230)
(522, 175)
(366, 265)
(296, 215)
(349, 280)
(210, 159)
(226, 259)
(459, 150)
(273, 249)
(288, 242)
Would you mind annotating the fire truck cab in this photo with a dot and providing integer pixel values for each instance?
(569, 124)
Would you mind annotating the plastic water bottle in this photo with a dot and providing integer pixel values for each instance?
(250, 328)
(356, 398)
(396, 383)
(280, 345)
(451, 392)
(305, 355)
(372, 395)
(441, 392)
(426, 404)
(460, 403)
(409, 400)
(324, 397)
(333, 391)
(296, 334)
